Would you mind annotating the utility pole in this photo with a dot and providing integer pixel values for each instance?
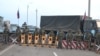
(89, 8)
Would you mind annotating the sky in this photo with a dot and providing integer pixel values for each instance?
(8, 9)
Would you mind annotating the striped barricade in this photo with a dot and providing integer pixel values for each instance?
(83, 45)
(74, 45)
(64, 44)
(69, 45)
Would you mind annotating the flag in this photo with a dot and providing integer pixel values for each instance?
(84, 17)
(83, 21)
(18, 15)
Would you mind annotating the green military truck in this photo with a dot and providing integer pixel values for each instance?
(75, 23)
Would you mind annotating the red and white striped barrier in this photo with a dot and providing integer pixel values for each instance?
(74, 45)
(78, 45)
(64, 44)
(83, 45)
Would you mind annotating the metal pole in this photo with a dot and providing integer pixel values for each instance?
(36, 17)
(89, 7)
(27, 13)
(18, 22)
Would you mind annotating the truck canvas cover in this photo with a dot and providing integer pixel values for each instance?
(60, 23)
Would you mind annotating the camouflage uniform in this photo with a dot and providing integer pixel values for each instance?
(18, 33)
(60, 37)
(25, 31)
(88, 39)
(69, 37)
(6, 35)
(98, 38)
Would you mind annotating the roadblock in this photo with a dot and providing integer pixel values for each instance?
(22, 38)
(43, 39)
(48, 42)
(50, 39)
(74, 45)
(29, 39)
(36, 40)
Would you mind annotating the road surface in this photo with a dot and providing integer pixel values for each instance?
(16, 50)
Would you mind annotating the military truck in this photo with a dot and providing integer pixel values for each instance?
(75, 23)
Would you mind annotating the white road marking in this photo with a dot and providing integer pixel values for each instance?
(6, 49)
(55, 54)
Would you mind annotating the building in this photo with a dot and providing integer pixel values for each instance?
(1, 21)
(1, 24)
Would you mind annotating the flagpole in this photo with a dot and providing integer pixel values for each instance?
(89, 7)
(18, 16)
(18, 22)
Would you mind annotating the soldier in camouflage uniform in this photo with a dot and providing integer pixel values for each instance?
(60, 38)
(69, 37)
(25, 31)
(6, 34)
(97, 42)
(78, 39)
(98, 39)
(18, 33)
(88, 39)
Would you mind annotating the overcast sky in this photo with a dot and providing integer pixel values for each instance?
(8, 9)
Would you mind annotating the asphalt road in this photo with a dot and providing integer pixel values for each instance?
(16, 50)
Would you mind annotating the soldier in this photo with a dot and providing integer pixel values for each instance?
(97, 42)
(88, 40)
(79, 39)
(24, 24)
(69, 37)
(6, 34)
(93, 35)
(60, 37)
(98, 38)
(18, 33)
(25, 31)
